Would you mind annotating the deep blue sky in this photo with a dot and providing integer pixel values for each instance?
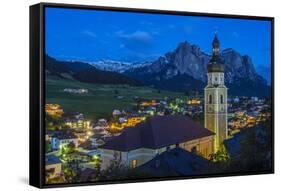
(88, 35)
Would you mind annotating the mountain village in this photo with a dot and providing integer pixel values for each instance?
(157, 137)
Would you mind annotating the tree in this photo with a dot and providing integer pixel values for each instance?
(97, 162)
(116, 169)
(255, 152)
(72, 171)
(71, 147)
(54, 123)
(67, 149)
(48, 147)
(220, 156)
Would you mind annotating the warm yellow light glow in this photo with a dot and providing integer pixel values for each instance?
(193, 102)
(54, 110)
(134, 163)
(89, 133)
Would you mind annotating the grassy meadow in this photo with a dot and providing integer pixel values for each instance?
(101, 99)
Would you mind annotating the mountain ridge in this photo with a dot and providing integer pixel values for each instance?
(189, 62)
(182, 69)
(85, 72)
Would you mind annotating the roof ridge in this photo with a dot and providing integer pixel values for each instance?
(146, 124)
(158, 132)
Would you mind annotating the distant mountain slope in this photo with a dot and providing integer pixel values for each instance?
(117, 66)
(85, 72)
(185, 69)
(94, 75)
(56, 67)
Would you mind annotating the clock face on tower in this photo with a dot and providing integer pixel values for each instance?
(222, 109)
(210, 109)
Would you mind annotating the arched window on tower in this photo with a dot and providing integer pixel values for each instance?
(210, 99)
(221, 98)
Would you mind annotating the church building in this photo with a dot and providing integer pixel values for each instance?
(140, 144)
(216, 98)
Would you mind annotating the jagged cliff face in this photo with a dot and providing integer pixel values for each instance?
(189, 62)
(239, 67)
(189, 59)
(185, 60)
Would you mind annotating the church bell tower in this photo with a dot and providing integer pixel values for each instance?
(216, 98)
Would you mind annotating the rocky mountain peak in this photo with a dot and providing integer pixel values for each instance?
(238, 66)
(188, 61)
(186, 47)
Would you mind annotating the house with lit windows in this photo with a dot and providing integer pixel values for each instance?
(140, 144)
(54, 110)
(63, 138)
(53, 166)
(76, 120)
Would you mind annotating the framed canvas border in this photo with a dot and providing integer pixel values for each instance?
(37, 91)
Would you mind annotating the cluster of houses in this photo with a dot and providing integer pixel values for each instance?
(76, 90)
(54, 110)
(247, 111)
(137, 137)
(76, 120)
(148, 139)
(191, 107)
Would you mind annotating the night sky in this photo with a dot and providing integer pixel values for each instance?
(87, 35)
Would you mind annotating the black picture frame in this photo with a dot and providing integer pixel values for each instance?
(37, 89)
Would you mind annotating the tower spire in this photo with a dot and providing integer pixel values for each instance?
(216, 44)
(215, 64)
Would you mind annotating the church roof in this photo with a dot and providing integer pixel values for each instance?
(215, 66)
(174, 162)
(158, 132)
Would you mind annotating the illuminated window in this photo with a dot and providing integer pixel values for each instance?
(205, 152)
(134, 163)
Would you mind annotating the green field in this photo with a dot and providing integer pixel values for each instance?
(101, 99)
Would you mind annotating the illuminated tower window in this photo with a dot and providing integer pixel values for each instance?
(134, 163)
